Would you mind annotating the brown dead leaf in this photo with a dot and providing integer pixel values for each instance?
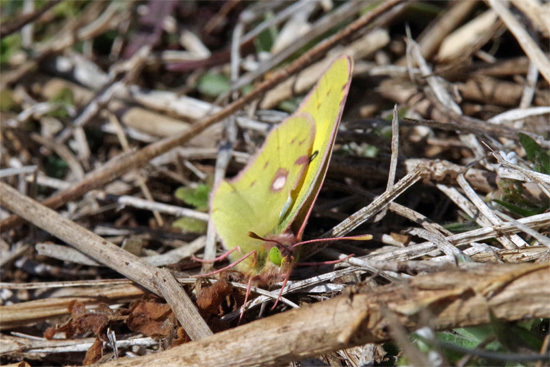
(152, 318)
(18, 364)
(210, 299)
(50, 332)
(181, 338)
(94, 353)
(84, 321)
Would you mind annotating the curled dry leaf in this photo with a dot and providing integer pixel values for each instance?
(152, 318)
(94, 353)
(84, 321)
(212, 299)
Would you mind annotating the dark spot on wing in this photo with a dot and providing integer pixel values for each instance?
(252, 183)
(313, 156)
(304, 159)
(266, 164)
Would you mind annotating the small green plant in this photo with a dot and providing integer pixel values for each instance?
(535, 154)
(65, 97)
(195, 197)
(190, 225)
(8, 46)
(290, 105)
(213, 84)
(56, 167)
(518, 197)
(198, 199)
(495, 344)
(7, 102)
(266, 39)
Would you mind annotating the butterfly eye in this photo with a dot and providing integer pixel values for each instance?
(275, 256)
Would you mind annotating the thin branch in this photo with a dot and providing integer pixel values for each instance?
(464, 298)
(118, 166)
(532, 50)
(158, 281)
(24, 19)
(364, 214)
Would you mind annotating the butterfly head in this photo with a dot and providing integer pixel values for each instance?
(281, 256)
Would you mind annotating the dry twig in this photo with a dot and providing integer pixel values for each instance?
(158, 281)
(457, 300)
(116, 167)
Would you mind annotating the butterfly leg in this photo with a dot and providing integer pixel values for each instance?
(219, 258)
(281, 291)
(248, 288)
(232, 265)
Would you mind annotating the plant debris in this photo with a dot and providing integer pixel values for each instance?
(118, 118)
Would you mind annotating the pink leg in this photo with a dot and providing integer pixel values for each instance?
(248, 288)
(254, 253)
(281, 291)
(221, 257)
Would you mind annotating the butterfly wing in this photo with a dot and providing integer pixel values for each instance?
(254, 200)
(324, 104)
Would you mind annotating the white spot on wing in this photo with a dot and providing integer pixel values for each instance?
(279, 180)
(279, 183)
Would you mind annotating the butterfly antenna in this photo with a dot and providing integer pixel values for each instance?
(364, 237)
(219, 258)
(332, 262)
(255, 236)
(232, 265)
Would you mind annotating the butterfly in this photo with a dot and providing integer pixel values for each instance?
(264, 209)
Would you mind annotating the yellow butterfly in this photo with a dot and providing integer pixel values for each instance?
(264, 209)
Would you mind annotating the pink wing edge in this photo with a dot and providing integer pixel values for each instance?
(328, 154)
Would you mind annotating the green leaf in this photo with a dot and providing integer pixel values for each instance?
(69, 9)
(519, 201)
(290, 105)
(266, 39)
(461, 227)
(197, 197)
(459, 340)
(521, 210)
(56, 167)
(191, 225)
(7, 102)
(370, 151)
(514, 337)
(8, 46)
(401, 113)
(535, 154)
(64, 97)
(478, 334)
(456, 338)
(213, 84)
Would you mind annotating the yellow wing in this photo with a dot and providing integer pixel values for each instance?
(324, 104)
(277, 189)
(254, 200)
